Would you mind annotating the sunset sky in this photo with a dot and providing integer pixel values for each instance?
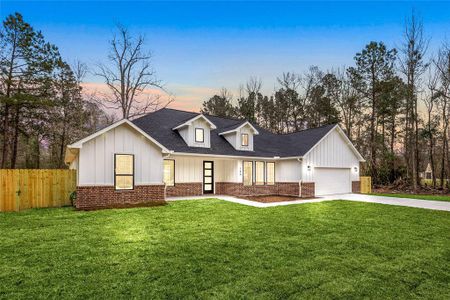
(201, 47)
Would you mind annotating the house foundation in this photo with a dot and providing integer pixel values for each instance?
(184, 189)
(99, 197)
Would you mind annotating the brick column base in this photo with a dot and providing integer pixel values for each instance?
(184, 189)
(356, 186)
(98, 197)
(308, 189)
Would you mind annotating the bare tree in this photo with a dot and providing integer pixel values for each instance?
(129, 74)
(226, 94)
(253, 85)
(443, 66)
(348, 101)
(79, 70)
(413, 66)
(430, 101)
(290, 80)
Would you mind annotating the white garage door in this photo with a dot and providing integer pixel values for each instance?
(332, 181)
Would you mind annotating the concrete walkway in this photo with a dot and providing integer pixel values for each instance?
(428, 204)
(436, 205)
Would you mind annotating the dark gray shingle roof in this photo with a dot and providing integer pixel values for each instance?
(159, 125)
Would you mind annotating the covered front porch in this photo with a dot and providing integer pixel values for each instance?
(201, 175)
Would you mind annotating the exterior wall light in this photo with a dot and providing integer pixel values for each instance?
(308, 168)
(356, 169)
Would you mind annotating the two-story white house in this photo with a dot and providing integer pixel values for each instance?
(177, 153)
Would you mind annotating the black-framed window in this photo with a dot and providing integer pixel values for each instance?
(199, 135)
(169, 172)
(270, 173)
(124, 171)
(259, 173)
(247, 173)
(244, 139)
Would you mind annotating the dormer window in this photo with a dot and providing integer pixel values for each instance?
(199, 135)
(196, 132)
(244, 139)
(240, 136)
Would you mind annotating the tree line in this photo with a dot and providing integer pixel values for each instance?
(43, 107)
(392, 103)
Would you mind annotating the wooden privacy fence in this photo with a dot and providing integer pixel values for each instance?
(22, 188)
(366, 184)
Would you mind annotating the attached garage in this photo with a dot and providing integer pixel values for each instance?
(332, 181)
(331, 166)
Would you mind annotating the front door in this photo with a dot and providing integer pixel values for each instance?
(208, 177)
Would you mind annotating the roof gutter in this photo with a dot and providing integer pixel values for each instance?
(168, 154)
(235, 156)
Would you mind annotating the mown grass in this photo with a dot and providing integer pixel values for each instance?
(416, 196)
(216, 249)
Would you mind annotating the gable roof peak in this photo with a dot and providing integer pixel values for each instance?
(238, 126)
(190, 120)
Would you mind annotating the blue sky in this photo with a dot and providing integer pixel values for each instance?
(200, 47)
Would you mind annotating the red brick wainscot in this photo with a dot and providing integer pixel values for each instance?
(356, 186)
(184, 189)
(308, 189)
(98, 197)
(236, 189)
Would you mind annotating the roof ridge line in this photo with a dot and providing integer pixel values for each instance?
(303, 130)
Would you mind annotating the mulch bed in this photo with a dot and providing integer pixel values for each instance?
(272, 198)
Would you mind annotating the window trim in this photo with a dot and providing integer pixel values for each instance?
(264, 172)
(203, 134)
(274, 172)
(174, 183)
(242, 139)
(116, 174)
(243, 172)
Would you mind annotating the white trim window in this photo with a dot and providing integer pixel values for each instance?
(124, 171)
(259, 173)
(169, 172)
(199, 135)
(248, 173)
(244, 139)
(270, 173)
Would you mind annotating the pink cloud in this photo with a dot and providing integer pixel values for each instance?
(185, 97)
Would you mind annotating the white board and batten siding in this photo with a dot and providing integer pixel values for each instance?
(332, 165)
(96, 158)
(189, 169)
(288, 170)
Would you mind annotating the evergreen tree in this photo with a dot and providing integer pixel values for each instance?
(374, 64)
(219, 105)
(27, 62)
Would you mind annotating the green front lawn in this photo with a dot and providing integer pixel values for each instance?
(416, 196)
(217, 249)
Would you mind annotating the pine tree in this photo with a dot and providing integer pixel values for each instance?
(374, 64)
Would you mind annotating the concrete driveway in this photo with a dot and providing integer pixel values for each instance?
(436, 205)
